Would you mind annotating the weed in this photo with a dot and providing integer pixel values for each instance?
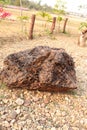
(2, 85)
(2, 96)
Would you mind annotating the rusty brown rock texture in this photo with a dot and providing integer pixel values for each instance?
(41, 68)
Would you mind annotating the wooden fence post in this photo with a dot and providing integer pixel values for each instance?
(53, 25)
(31, 26)
(64, 27)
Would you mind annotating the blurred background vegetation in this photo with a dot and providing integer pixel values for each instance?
(28, 4)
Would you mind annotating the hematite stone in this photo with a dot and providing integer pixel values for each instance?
(41, 68)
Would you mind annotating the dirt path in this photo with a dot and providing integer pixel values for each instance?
(26, 110)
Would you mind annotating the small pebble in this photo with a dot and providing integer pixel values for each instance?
(13, 114)
(6, 124)
(53, 128)
(20, 101)
(18, 111)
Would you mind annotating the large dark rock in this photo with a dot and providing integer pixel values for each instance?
(42, 68)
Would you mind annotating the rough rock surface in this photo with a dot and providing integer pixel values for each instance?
(41, 68)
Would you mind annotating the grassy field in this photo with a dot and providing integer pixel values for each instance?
(19, 29)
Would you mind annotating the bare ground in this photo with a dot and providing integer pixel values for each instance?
(41, 110)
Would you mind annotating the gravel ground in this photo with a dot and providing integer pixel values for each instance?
(21, 109)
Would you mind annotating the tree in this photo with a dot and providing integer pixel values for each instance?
(59, 7)
(17, 2)
(83, 26)
(39, 2)
(43, 14)
(82, 6)
(2, 2)
(59, 19)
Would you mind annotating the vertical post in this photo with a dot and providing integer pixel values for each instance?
(32, 26)
(21, 11)
(53, 25)
(64, 27)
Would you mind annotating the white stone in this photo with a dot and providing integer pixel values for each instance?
(18, 111)
(65, 127)
(53, 128)
(25, 129)
(59, 128)
(58, 113)
(20, 101)
(63, 113)
(6, 124)
(75, 128)
(5, 101)
(12, 122)
(85, 123)
(13, 114)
